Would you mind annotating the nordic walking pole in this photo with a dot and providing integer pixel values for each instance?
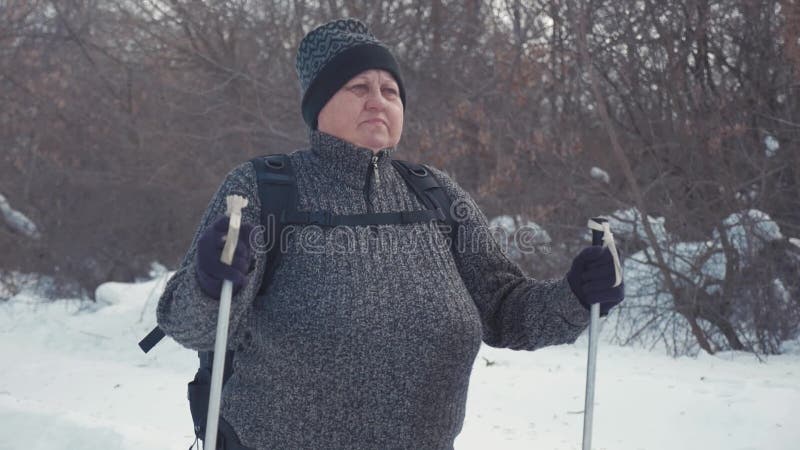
(601, 235)
(235, 205)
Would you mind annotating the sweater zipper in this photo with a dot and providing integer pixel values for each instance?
(369, 178)
(375, 168)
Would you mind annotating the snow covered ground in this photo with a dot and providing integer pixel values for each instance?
(73, 378)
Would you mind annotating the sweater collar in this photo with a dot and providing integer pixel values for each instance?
(345, 161)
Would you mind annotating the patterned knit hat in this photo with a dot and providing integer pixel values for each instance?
(333, 53)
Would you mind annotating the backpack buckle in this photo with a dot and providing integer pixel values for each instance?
(419, 171)
(274, 162)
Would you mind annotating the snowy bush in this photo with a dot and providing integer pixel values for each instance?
(627, 224)
(34, 285)
(526, 243)
(518, 236)
(737, 290)
(748, 232)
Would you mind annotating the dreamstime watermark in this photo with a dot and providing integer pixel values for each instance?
(472, 236)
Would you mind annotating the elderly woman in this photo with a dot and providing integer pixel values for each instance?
(371, 347)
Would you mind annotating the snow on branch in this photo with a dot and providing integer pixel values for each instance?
(600, 175)
(17, 221)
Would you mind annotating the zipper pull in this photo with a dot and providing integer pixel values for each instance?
(375, 168)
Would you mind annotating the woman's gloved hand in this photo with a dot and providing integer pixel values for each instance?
(591, 278)
(210, 271)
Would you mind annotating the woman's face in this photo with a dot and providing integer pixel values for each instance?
(366, 111)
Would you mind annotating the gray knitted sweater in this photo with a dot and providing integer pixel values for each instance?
(368, 334)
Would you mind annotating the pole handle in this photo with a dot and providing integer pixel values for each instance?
(601, 235)
(597, 235)
(235, 204)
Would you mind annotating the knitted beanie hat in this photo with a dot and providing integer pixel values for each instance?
(333, 53)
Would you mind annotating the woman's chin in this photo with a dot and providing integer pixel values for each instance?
(374, 142)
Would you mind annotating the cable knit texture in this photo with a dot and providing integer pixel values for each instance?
(367, 335)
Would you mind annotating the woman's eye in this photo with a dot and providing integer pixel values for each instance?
(359, 89)
(390, 91)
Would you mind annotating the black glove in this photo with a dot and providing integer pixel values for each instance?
(210, 271)
(591, 278)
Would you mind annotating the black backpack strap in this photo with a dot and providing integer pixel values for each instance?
(326, 219)
(429, 192)
(199, 388)
(277, 192)
(153, 337)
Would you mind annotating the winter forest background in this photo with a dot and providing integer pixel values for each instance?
(679, 119)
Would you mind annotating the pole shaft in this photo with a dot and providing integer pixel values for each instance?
(588, 407)
(220, 345)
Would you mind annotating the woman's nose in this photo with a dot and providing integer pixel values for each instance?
(375, 100)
